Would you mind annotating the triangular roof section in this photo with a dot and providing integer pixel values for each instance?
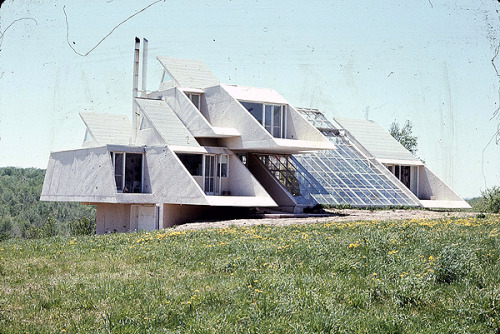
(377, 141)
(164, 120)
(107, 128)
(189, 73)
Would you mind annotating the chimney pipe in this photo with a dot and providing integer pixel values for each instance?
(144, 66)
(135, 91)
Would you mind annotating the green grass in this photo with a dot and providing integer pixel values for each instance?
(418, 276)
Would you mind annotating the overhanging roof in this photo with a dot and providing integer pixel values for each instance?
(107, 128)
(189, 73)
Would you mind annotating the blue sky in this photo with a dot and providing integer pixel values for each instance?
(425, 61)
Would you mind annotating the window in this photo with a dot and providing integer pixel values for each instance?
(212, 168)
(243, 158)
(193, 163)
(402, 173)
(222, 168)
(195, 99)
(271, 116)
(128, 168)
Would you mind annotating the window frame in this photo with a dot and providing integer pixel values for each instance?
(123, 170)
(184, 161)
(270, 127)
(220, 163)
(190, 96)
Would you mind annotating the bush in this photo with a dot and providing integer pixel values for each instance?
(33, 232)
(49, 229)
(4, 236)
(83, 226)
(489, 201)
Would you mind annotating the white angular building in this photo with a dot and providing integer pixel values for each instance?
(197, 146)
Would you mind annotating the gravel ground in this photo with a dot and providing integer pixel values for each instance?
(335, 215)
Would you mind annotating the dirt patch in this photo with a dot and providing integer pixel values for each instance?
(336, 215)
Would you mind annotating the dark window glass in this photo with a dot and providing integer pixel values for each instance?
(255, 109)
(133, 173)
(193, 163)
(128, 172)
(119, 171)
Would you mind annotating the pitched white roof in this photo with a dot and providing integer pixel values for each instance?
(189, 73)
(376, 140)
(166, 122)
(245, 93)
(107, 128)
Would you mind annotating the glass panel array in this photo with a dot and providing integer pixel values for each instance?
(340, 176)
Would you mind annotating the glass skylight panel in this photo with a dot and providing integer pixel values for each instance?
(346, 175)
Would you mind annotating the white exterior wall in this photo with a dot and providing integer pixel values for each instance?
(223, 110)
(192, 118)
(143, 218)
(241, 181)
(170, 181)
(112, 218)
(431, 187)
(149, 137)
(84, 175)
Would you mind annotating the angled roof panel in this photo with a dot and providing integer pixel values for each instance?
(166, 122)
(376, 140)
(189, 73)
(107, 128)
(245, 93)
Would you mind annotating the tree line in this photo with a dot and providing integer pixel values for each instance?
(22, 214)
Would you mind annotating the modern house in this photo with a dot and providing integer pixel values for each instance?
(197, 146)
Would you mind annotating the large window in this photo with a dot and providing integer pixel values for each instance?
(211, 167)
(195, 99)
(193, 163)
(222, 165)
(128, 171)
(402, 173)
(271, 116)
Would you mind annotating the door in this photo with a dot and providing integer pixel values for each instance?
(209, 174)
(146, 219)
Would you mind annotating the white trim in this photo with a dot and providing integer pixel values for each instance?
(401, 162)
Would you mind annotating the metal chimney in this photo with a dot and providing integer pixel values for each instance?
(135, 91)
(144, 66)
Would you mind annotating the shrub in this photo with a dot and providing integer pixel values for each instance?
(49, 229)
(33, 232)
(4, 236)
(83, 226)
(489, 200)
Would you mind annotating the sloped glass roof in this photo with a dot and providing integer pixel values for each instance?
(340, 176)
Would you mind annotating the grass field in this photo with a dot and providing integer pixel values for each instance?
(417, 276)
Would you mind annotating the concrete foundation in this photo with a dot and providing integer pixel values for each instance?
(112, 218)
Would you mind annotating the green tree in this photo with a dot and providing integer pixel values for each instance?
(404, 135)
(21, 212)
